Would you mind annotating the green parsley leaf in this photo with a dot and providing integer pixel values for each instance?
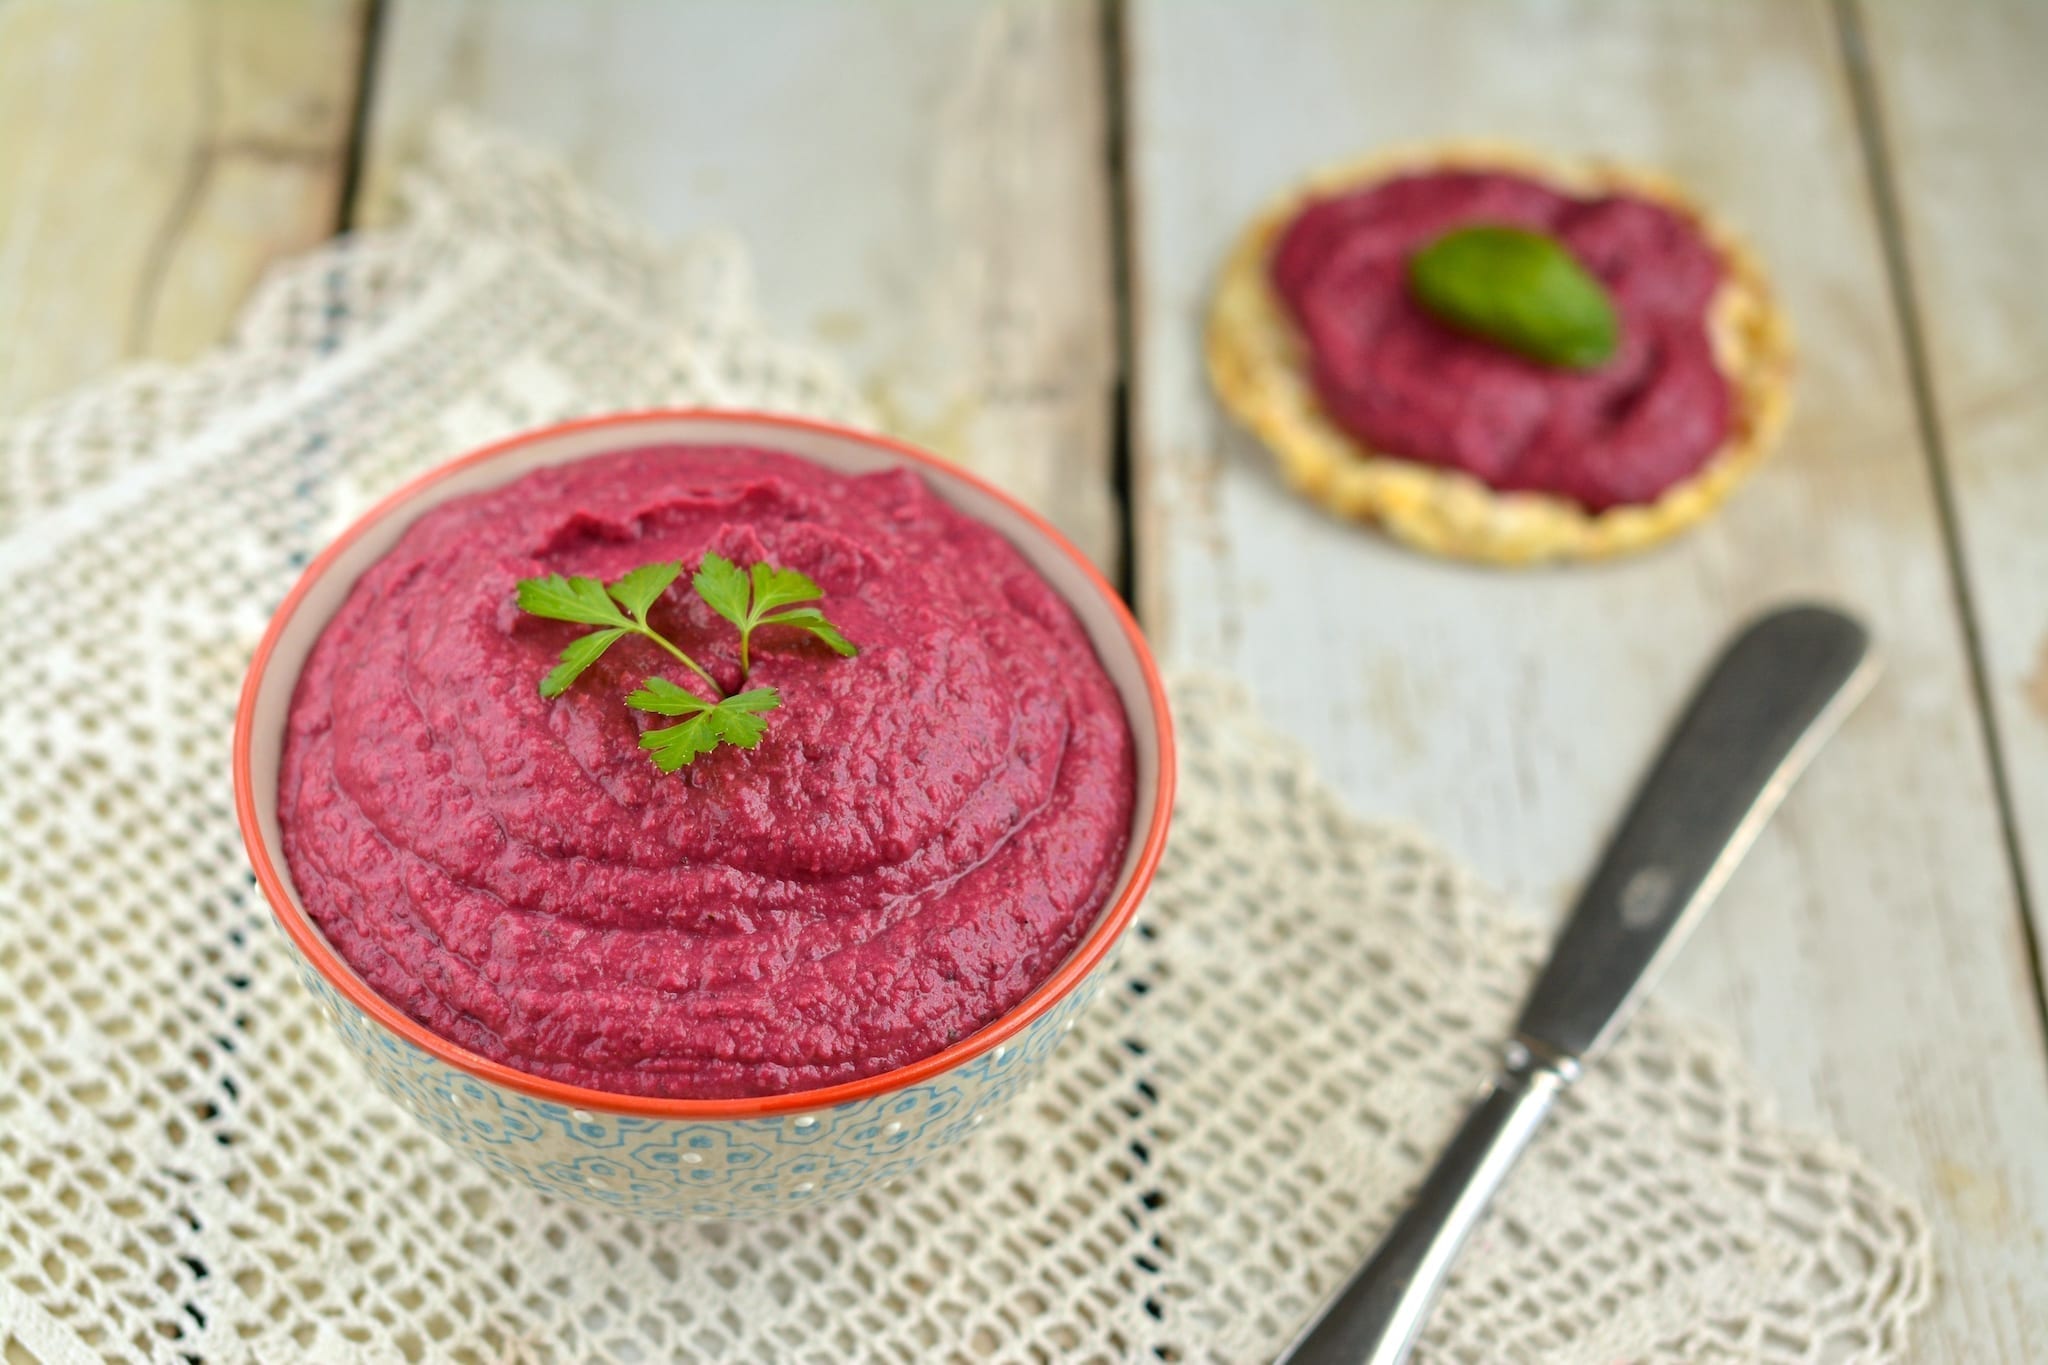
(664, 698)
(569, 599)
(643, 587)
(723, 587)
(775, 587)
(675, 746)
(813, 620)
(742, 729)
(753, 701)
(580, 654)
(745, 599)
(734, 721)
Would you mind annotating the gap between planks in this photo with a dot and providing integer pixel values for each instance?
(1860, 74)
(367, 53)
(1117, 168)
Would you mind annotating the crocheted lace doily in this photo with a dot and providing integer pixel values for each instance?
(190, 1168)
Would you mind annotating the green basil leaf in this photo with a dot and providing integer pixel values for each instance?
(1521, 290)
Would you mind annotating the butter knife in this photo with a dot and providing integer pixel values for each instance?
(1772, 699)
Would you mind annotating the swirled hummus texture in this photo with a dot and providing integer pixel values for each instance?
(922, 836)
(1407, 385)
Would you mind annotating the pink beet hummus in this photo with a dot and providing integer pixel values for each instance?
(922, 836)
(1405, 384)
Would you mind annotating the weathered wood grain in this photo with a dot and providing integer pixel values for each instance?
(1964, 109)
(923, 187)
(1869, 956)
(153, 160)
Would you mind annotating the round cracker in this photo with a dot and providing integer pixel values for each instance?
(1258, 364)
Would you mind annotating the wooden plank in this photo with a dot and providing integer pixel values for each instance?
(922, 188)
(1964, 106)
(153, 159)
(1869, 955)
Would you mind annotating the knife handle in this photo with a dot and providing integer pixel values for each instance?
(1768, 704)
(1376, 1316)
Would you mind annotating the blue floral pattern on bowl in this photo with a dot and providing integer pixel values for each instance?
(725, 1168)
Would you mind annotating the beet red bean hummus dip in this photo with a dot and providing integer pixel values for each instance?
(921, 836)
(1406, 384)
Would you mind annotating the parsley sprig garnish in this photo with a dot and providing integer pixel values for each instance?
(736, 720)
(747, 599)
(591, 603)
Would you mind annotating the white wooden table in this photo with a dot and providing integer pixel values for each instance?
(1006, 216)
